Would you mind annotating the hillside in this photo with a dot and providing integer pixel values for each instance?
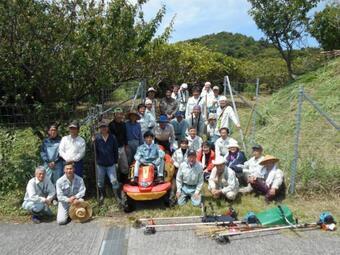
(235, 45)
(319, 162)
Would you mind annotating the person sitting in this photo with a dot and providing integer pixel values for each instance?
(205, 156)
(224, 112)
(168, 106)
(164, 134)
(39, 194)
(70, 190)
(189, 180)
(195, 142)
(222, 180)
(106, 159)
(192, 101)
(72, 148)
(271, 181)
(118, 129)
(50, 154)
(197, 120)
(235, 158)
(252, 167)
(221, 143)
(181, 154)
(180, 127)
(149, 153)
(211, 129)
(133, 134)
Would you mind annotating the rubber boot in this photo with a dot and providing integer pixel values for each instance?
(101, 196)
(116, 193)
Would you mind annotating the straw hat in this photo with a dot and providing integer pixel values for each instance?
(268, 158)
(80, 212)
(233, 145)
(219, 161)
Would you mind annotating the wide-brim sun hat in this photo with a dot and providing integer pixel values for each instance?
(132, 113)
(233, 145)
(80, 212)
(268, 158)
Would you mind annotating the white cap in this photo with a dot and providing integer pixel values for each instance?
(207, 83)
(184, 86)
(151, 89)
(222, 98)
(233, 144)
(211, 116)
(219, 161)
(148, 101)
(216, 88)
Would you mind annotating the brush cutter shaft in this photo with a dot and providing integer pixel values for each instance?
(312, 225)
(191, 224)
(171, 218)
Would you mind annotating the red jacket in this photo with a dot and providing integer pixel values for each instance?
(211, 158)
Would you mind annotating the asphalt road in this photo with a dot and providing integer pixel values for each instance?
(98, 237)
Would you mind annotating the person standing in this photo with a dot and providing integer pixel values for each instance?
(70, 190)
(197, 121)
(183, 97)
(151, 119)
(118, 129)
(134, 135)
(180, 126)
(193, 101)
(224, 113)
(189, 180)
(50, 154)
(164, 134)
(106, 159)
(168, 106)
(39, 195)
(72, 148)
(214, 103)
(151, 95)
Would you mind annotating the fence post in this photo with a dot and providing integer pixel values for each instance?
(253, 130)
(225, 86)
(296, 142)
(235, 110)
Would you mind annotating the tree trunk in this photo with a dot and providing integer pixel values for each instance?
(289, 68)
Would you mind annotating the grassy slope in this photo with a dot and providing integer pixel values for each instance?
(319, 161)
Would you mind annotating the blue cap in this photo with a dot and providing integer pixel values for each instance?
(179, 113)
(163, 119)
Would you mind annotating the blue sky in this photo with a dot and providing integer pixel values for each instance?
(195, 18)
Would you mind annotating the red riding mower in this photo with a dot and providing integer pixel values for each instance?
(147, 189)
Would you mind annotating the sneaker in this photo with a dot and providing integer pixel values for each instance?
(246, 190)
(35, 219)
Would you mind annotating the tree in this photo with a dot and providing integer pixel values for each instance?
(325, 27)
(58, 54)
(284, 22)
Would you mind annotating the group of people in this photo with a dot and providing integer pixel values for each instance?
(194, 130)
